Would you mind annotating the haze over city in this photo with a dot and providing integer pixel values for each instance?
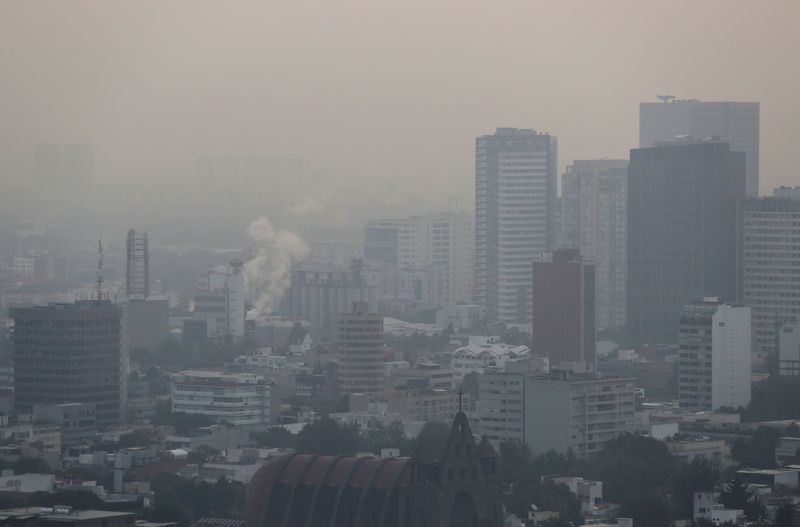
(391, 264)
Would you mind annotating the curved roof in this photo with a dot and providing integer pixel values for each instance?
(314, 471)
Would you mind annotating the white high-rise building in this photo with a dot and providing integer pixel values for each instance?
(768, 263)
(438, 246)
(736, 123)
(515, 218)
(594, 216)
(714, 365)
(219, 299)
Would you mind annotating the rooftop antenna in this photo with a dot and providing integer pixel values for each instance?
(99, 269)
(665, 98)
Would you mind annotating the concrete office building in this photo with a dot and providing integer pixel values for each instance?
(789, 348)
(321, 296)
(564, 308)
(681, 233)
(238, 399)
(594, 214)
(77, 421)
(579, 412)
(515, 218)
(137, 269)
(440, 243)
(219, 299)
(360, 350)
(768, 263)
(147, 323)
(714, 365)
(65, 353)
(734, 122)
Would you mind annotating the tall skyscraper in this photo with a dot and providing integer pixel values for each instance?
(78, 164)
(515, 218)
(65, 353)
(681, 233)
(594, 196)
(769, 263)
(714, 359)
(360, 348)
(137, 270)
(564, 308)
(734, 122)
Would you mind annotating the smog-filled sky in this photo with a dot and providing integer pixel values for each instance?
(380, 91)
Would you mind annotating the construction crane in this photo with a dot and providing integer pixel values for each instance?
(665, 98)
(99, 269)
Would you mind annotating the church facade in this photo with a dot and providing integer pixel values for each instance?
(460, 489)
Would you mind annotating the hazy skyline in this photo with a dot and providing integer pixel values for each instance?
(378, 90)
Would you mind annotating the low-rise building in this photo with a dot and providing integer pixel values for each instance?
(686, 451)
(238, 399)
(480, 358)
(427, 405)
(787, 450)
(578, 412)
(771, 477)
(76, 421)
(28, 483)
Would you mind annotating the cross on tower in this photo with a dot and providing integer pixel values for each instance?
(460, 395)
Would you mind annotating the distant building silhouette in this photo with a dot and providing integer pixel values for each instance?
(515, 217)
(595, 220)
(137, 270)
(734, 122)
(681, 233)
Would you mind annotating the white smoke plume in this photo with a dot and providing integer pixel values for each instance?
(268, 274)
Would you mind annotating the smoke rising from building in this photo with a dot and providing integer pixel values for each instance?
(268, 273)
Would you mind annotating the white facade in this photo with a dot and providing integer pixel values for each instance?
(515, 216)
(219, 300)
(730, 357)
(238, 399)
(27, 483)
(432, 252)
(714, 363)
(474, 358)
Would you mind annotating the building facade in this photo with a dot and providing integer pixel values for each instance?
(320, 296)
(565, 308)
(714, 356)
(237, 399)
(789, 348)
(460, 488)
(137, 269)
(594, 214)
(71, 353)
(681, 233)
(515, 218)
(734, 122)
(360, 350)
(768, 263)
(439, 244)
(219, 299)
(581, 413)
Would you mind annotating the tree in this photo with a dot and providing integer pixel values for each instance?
(648, 507)
(433, 437)
(547, 496)
(699, 475)
(759, 450)
(137, 438)
(469, 385)
(514, 462)
(784, 517)
(735, 495)
(275, 437)
(329, 437)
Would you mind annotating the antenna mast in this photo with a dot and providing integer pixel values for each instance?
(99, 269)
